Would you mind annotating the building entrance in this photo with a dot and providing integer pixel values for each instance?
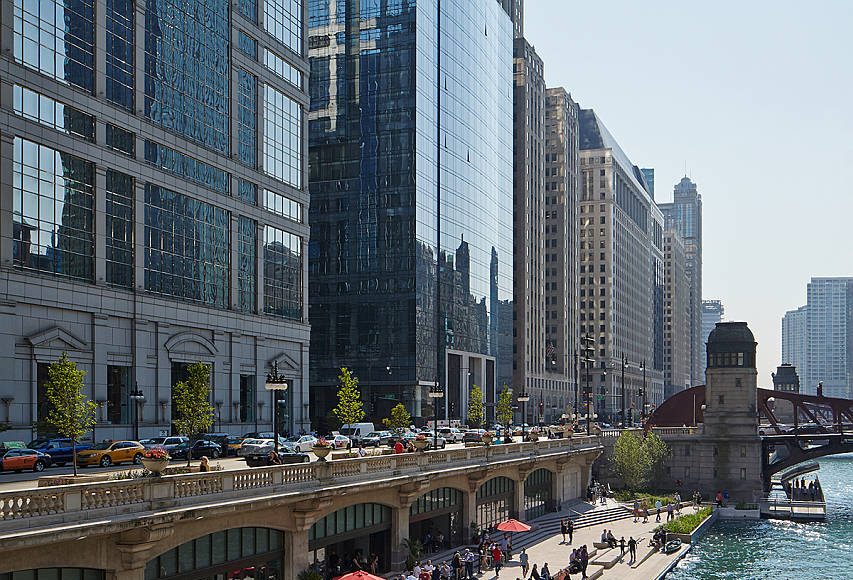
(352, 534)
(436, 519)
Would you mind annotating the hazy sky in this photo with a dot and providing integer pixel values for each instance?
(754, 99)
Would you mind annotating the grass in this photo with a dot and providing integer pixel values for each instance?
(687, 523)
(628, 496)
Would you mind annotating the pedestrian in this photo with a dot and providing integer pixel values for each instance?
(670, 509)
(571, 528)
(534, 573)
(584, 557)
(523, 558)
(205, 464)
(564, 529)
(636, 510)
(632, 548)
(545, 574)
(497, 560)
(719, 498)
(398, 447)
(456, 563)
(658, 506)
(622, 546)
(469, 564)
(645, 513)
(361, 451)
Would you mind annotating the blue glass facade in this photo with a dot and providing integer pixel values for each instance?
(119, 229)
(120, 52)
(247, 118)
(410, 179)
(247, 251)
(187, 69)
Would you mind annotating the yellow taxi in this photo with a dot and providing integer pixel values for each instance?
(110, 453)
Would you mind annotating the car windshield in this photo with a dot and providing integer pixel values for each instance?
(156, 440)
(37, 443)
(289, 449)
(374, 434)
(103, 445)
(253, 441)
(293, 439)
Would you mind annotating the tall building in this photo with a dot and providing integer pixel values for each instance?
(676, 362)
(685, 215)
(411, 182)
(621, 273)
(152, 207)
(529, 257)
(794, 338)
(712, 313)
(561, 252)
(829, 337)
(649, 176)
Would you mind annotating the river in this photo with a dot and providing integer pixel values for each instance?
(782, 550)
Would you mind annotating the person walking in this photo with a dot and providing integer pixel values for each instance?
(564, 529)
(584, 560)
(497, 560)
(670, 511)
(636, 510)
(632, 549)
(524, 560)
(570, 526)
(534, 574)
(622, 546)
(645, 513)
(658, 506)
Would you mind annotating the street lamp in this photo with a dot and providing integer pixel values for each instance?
(523, 398)
(588, 349)
(624, 363)
(435, 394)
(138, 399)
(219, 414)
(643, 394)
(275, 383)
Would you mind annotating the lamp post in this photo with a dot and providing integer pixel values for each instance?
(576, 383)
(275, 383)
(435, 394)
(523, 398)
(624, 362)
(138, 398)
(643, 394)
(588, 349)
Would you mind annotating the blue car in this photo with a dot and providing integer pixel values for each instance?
(59, 449)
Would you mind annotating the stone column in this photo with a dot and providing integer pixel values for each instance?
(399, 532)
(131, 574)
(296, 555)
(519, 497)
(469, 513)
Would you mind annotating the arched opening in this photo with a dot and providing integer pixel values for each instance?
(538, 493)
(356, 532)
(495, 502)
(233, 554)
(435, 519)
(55, 574)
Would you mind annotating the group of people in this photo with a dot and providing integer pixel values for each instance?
(799, 490)
(673, 509)
(597, 493)
(336, 565)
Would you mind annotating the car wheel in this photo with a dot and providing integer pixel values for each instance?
(215, 454)
(306, 459)
(137, 459)
(39, 466)
(106, 461)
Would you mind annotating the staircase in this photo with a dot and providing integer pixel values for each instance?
(582, 515)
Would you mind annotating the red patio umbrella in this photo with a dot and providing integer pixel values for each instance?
(359, 575)
(512, 525)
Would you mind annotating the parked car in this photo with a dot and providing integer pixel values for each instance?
(357, 431)
(451, 434)
(377, 438)
(441, 443)
(20, 459)
(167, 443)
(59, 449)
(197, 449)
(252, 445)
(340, 442)
(259, 435)
(302, 442)
(233, 444)
(473, 436)
(288, 454)
(111, 452)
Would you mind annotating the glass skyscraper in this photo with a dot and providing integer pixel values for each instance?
(153, 205)
(411, 183)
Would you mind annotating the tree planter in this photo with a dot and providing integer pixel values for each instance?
(321, 451)
(420, 444)
(487, 438)
(534, 437)
(155, 466)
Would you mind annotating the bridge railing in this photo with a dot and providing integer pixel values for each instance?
(78, 503)
(675, 430)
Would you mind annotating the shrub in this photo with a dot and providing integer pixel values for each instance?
(687, 523)
(155, 453)
(650, 497)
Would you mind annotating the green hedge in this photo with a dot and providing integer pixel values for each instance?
(687, 523)
(627, 496)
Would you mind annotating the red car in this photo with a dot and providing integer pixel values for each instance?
(21, 459)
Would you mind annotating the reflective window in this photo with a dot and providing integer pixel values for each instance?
(53, 207)
(249, 9)
(121, 140)
(186, 69)
(282, 68)
(120, 53)
(282, 273)
(247, 252)
(282, 205)
(437, 499)
(42, 109)
(349, 519)
(247, 118)
(187, 245)
(283, 20)
(55, 574)
(247, 191)
(282, 137)
(318, 14)
(57, 39)
(247, 44)
(187, 167)
(119, 228)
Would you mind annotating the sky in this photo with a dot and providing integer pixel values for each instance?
(752, 100)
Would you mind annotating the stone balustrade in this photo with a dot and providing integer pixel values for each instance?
(86, 502)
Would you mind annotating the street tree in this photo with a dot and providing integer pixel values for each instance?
(658, 452)
(350, 408)
(71, 413)
(503, 410)
(399, 420)
(475, 407)
(191, 401)
(637, 460)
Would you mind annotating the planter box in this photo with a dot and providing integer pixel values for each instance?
(71, 480)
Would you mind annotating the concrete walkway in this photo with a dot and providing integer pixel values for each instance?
(552, 550)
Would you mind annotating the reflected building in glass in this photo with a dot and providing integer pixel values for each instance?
(410, 260)
(153, 206)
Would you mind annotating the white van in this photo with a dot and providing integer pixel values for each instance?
(357, 431)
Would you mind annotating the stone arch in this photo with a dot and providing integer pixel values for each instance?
(496, 500)
(538, 494)
(382, 497)
(190, 347)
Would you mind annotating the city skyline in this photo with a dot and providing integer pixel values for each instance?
(707, 111)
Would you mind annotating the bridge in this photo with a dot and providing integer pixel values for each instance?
(277, 520)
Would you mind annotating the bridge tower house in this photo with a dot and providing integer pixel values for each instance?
(731, 417)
